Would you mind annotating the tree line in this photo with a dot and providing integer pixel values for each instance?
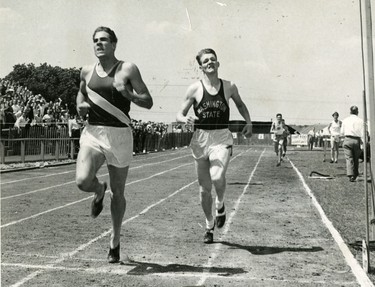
(51, 82)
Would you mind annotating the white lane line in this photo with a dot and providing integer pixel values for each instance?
(72, 171)
(357, 270)
(35, 177)
(86, 198)
(84, 246)
(159, 162)
(71, 182)
(125, 269)
(215, 253)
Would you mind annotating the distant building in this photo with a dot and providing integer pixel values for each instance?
(261, 132)
(300, 139)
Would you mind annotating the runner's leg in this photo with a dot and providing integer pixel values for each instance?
(118, 178)
(202, 167)
(89, 161)
(219, 160)
(280, 146)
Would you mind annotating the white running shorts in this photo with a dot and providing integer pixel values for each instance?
(205, 142)
(115, 143)
(335, 140)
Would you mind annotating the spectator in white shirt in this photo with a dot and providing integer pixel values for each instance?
(352, 129)
(48, 118)
(21, 122)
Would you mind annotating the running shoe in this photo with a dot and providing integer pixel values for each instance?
(114, 254)
(220, 217)
(97, 206)
(209, 236)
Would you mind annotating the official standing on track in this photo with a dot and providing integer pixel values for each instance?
(105, 94)
(311, 138)
(212, 141)
(352, 129)
(334, 129)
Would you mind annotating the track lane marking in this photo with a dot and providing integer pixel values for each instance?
(68, 255)
(125, 269)
(71, 171)
(357, 270)
(71, 182)
(214, 254)
(82, 247)
(86, 198)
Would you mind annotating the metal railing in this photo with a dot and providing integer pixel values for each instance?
(43, 143)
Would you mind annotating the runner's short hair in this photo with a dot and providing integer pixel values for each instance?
(111, 33)
(335, 114)
(202, 52)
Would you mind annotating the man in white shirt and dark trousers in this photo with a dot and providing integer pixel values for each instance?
(352, 129)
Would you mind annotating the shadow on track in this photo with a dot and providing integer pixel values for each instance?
(144, 268)
(244, 183)
(266, 250)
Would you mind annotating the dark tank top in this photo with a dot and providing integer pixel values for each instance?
(104, 87)
(212, 110)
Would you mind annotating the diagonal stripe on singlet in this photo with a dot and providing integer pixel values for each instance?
(107, 106)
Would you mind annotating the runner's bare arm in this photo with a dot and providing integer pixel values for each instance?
(81, 100)
(130, 73)
(248, 129)
(272, 128)
(182, 114)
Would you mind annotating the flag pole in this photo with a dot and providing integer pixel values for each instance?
(370, 79)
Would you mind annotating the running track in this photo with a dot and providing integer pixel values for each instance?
(274, 236)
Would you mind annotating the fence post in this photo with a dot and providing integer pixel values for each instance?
(2, 152)
(72, 150)
(42, 149)
(57, 150)
(23, 151)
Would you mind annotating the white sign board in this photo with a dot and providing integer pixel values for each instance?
(299, 140)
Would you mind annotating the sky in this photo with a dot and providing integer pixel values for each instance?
(301, 58)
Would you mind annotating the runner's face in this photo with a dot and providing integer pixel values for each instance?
(103, 45)
(209, 63)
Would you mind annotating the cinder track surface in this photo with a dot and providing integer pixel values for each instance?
(274, 235)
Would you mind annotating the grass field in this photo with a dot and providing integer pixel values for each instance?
(274, 234)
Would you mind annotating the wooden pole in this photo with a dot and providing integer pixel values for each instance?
(365, 169)
(368, 69)
(370, 80)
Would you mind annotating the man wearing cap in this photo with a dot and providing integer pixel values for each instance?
(334, 130)
(352, 129)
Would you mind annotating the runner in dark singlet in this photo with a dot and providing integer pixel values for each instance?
(106, 91)
(212, 141)
(212, 111)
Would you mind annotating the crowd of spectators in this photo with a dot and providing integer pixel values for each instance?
(20, 109)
